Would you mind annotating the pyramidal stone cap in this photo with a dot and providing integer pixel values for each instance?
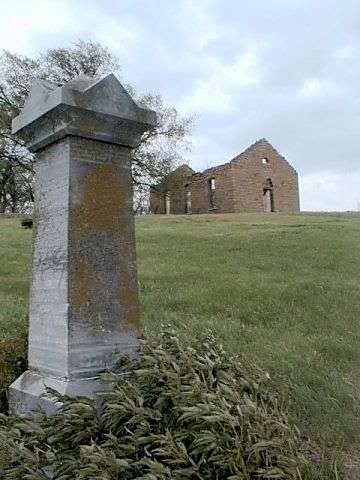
(94, 108)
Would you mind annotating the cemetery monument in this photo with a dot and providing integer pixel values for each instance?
(84, 299)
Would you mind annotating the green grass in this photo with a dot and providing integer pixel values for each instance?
(284, 290)
(15, 258)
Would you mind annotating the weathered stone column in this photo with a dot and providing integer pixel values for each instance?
(84, 299)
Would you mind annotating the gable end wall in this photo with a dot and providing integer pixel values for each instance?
(250, 175)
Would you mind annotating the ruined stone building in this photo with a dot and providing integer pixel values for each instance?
(257, 180)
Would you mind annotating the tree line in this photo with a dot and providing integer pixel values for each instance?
(158, 153)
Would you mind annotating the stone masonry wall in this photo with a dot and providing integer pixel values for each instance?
(157, 201)
(175, 186)
(239, 185)
(222, 194)
(177, 201)
(251, 175)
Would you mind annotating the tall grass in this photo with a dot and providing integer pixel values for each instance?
(284, 290)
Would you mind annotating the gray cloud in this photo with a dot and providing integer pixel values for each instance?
(287, 71)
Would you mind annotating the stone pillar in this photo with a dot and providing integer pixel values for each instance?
(84, 299)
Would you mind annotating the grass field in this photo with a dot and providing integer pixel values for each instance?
(284, 290)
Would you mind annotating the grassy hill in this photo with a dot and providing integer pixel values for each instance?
(284, 290)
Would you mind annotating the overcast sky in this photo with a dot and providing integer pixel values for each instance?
(286, 70)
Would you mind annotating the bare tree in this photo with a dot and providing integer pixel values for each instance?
(158, 153)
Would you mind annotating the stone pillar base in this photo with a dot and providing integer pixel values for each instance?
(29, 393)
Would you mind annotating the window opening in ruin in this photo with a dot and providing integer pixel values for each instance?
(167, 203)
(268, 196)
(265, 161)
(212, 188)
(188, 202)
(269, 183)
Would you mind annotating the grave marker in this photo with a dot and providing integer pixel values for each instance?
(84, 299)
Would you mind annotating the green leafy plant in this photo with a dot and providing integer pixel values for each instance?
(12, 364)
(27, 222)
(179, 411)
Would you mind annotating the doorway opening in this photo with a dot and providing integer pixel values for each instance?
(167, 203)
(187, 200)
(268, 196)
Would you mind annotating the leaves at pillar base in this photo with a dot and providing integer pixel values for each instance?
(13, 362)
(182, 411)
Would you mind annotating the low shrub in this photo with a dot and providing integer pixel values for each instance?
(13, 361)
(179, 411)
(27, 222)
